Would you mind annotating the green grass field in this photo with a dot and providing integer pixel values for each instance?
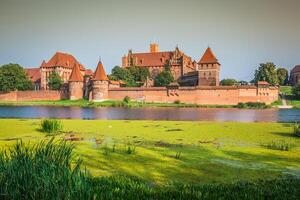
(170, 151)
(291, 100)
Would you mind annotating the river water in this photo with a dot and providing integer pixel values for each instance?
(180, 114)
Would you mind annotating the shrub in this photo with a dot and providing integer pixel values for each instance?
(253, 105)
(177, 101)
(297, 130)
(126, 100)
(51, 126)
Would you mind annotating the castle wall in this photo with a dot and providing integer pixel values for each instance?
(207, 95)
(34, 95)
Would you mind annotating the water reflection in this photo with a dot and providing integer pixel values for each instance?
(195, 114)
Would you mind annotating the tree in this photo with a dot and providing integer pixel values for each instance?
(133, 76)
(13, 77)
(266, 72)
(163, 79)
(228, 82)
(54, 81)
(296, 91)
(282, 75)
(243, 83)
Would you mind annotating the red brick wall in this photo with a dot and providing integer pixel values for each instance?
(198, 95)
(31, 95)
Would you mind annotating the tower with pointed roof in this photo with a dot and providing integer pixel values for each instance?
(100, 84)
(208, 69)
(76, 83)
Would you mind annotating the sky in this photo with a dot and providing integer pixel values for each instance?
(242, 33)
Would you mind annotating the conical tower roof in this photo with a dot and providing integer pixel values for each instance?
(208, 57)
(76, 75)
(100, 74)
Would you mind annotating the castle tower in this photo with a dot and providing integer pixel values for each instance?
(99, 84)
(209, 69)
(76, 84)
(154, 48)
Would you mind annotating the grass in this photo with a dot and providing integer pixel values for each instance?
(108, 103)
(51, 126)
(193, 152)
(49, 170)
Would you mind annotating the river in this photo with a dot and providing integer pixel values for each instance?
(180, 114)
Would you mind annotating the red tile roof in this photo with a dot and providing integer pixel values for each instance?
(100, 74)
(152, 59)
(62, 60)
(33, 73)
(76, 74)
(208, 57)
(295, 69)
(88, 72)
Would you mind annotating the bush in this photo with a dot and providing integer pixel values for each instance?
(296, 91)
(127, 99)
(177, 102)
(297, 130)
(253, 105)
(51, 126)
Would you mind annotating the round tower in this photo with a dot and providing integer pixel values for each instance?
(76, 84)
(100, 84)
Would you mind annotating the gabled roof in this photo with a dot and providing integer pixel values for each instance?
(76, 74)
(33, 73)
(62, 60)
(208, 57)
(152, 58)
(295, 69)
(100, 74)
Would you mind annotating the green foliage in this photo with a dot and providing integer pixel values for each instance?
(51, 126)
(243, 83)
(127, 99)
(177, 101)
(266, 72)
(132, 76)
(42, 171)
(163, 79)
(296, 91)
(278, 145)
(55, 81)
(297, 130)
(228, 82)
(13, 77)
(283, 76)
(253, 105)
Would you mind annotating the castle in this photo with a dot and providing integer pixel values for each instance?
(198, 81)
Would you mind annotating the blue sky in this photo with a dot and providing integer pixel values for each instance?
(242, 33)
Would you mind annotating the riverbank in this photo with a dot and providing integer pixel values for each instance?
(131, 104)
(164, 151)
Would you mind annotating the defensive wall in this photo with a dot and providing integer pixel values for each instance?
(208, 95)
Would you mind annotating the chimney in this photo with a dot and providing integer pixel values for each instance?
(154, 48)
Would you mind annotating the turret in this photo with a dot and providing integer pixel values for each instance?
(100, 84)
(76, 84)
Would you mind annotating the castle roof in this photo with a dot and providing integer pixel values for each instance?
(33, 73)
(60, 59)
(76, 74)
(295, 69)
(208, 57)
(100, 74)
(152, 58)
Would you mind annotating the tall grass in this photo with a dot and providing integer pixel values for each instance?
(297, 130)
(51, 126)
(278, 145)
(48, 170)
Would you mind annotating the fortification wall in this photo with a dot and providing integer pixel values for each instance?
(210, 95)
(38, 95)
